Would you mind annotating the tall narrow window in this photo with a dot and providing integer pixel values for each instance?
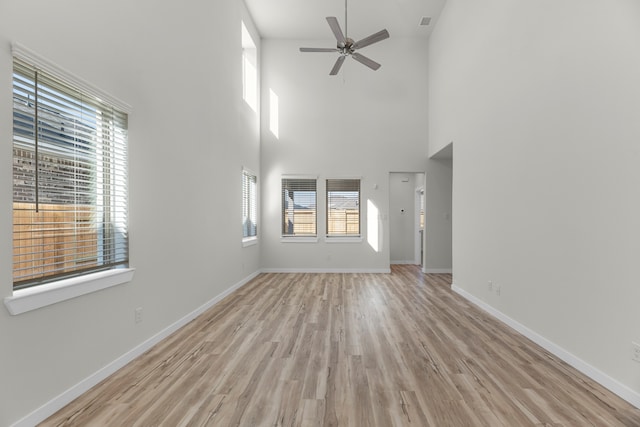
(69, 179)
(249, 69)
(343, 207)
(249, 205)
(274, 114)
(299, 207)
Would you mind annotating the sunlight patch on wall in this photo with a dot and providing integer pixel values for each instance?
(373, 231)
(274, 114)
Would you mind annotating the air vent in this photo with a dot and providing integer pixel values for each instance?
(425, 20)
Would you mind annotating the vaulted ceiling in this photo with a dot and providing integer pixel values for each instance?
(305, 19)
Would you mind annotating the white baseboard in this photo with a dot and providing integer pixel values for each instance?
(406, 262)
(437, 270)
(83, 386)
(595, 374)
(326, 270)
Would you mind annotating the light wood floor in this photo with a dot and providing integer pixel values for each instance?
(397, 349)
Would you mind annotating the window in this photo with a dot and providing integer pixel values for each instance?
(421, 225)
(343, 207)
(274, 114)
(69, 177)
(249, 205)
(249, 69)
(299, 207)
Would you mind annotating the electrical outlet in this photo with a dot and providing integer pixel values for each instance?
(138, 314)
(635, 352)
(498, 289)
(490, 286)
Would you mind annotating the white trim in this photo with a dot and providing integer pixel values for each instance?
(437, 271)
(294, 176)
(83, 386)
(343, 239)
(35, 297)
(250, 172)
(21, 52)
(293, 239)
(595, 374)
(407, 262)
(249, 241)
(332, 177)
(327, 270)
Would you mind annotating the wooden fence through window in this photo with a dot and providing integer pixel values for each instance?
(55, 240)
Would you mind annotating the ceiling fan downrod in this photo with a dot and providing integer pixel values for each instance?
(346, 33)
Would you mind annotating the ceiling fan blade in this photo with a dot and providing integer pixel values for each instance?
(318, 49)
(373, 38)
(337, 65)
(366, 61)
(335, 27)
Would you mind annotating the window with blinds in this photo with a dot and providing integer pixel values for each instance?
(343, 207)
(249, 205)
(69, 179)
(299, 210)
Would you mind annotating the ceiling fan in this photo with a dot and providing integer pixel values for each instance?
(346, 46)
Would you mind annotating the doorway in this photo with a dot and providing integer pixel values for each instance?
(438, 242)
(406, 217)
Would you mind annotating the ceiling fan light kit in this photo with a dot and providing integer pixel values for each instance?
(347, 46)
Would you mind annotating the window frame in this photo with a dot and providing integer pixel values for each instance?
(40, 294)
(301, 180)
(249, 201)
(343, 237)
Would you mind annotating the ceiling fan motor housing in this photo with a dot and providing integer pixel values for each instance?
(347, 48)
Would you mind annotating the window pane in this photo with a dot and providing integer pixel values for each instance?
(299, 207)
(343, 207)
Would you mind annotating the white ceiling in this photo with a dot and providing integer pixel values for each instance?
(305, 19)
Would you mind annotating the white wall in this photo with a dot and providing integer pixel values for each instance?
(438, 219)
(178, 65)
(541, 100)
(361, 123)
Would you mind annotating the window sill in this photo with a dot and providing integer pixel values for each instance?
(40, 296)
(343, 239)
(249, 241)
(309, 239)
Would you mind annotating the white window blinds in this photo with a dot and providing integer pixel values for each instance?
(343, 207)
(69, 179)
(299, 207)
(249, 204)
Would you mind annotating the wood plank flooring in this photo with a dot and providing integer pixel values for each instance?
(397, 349)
